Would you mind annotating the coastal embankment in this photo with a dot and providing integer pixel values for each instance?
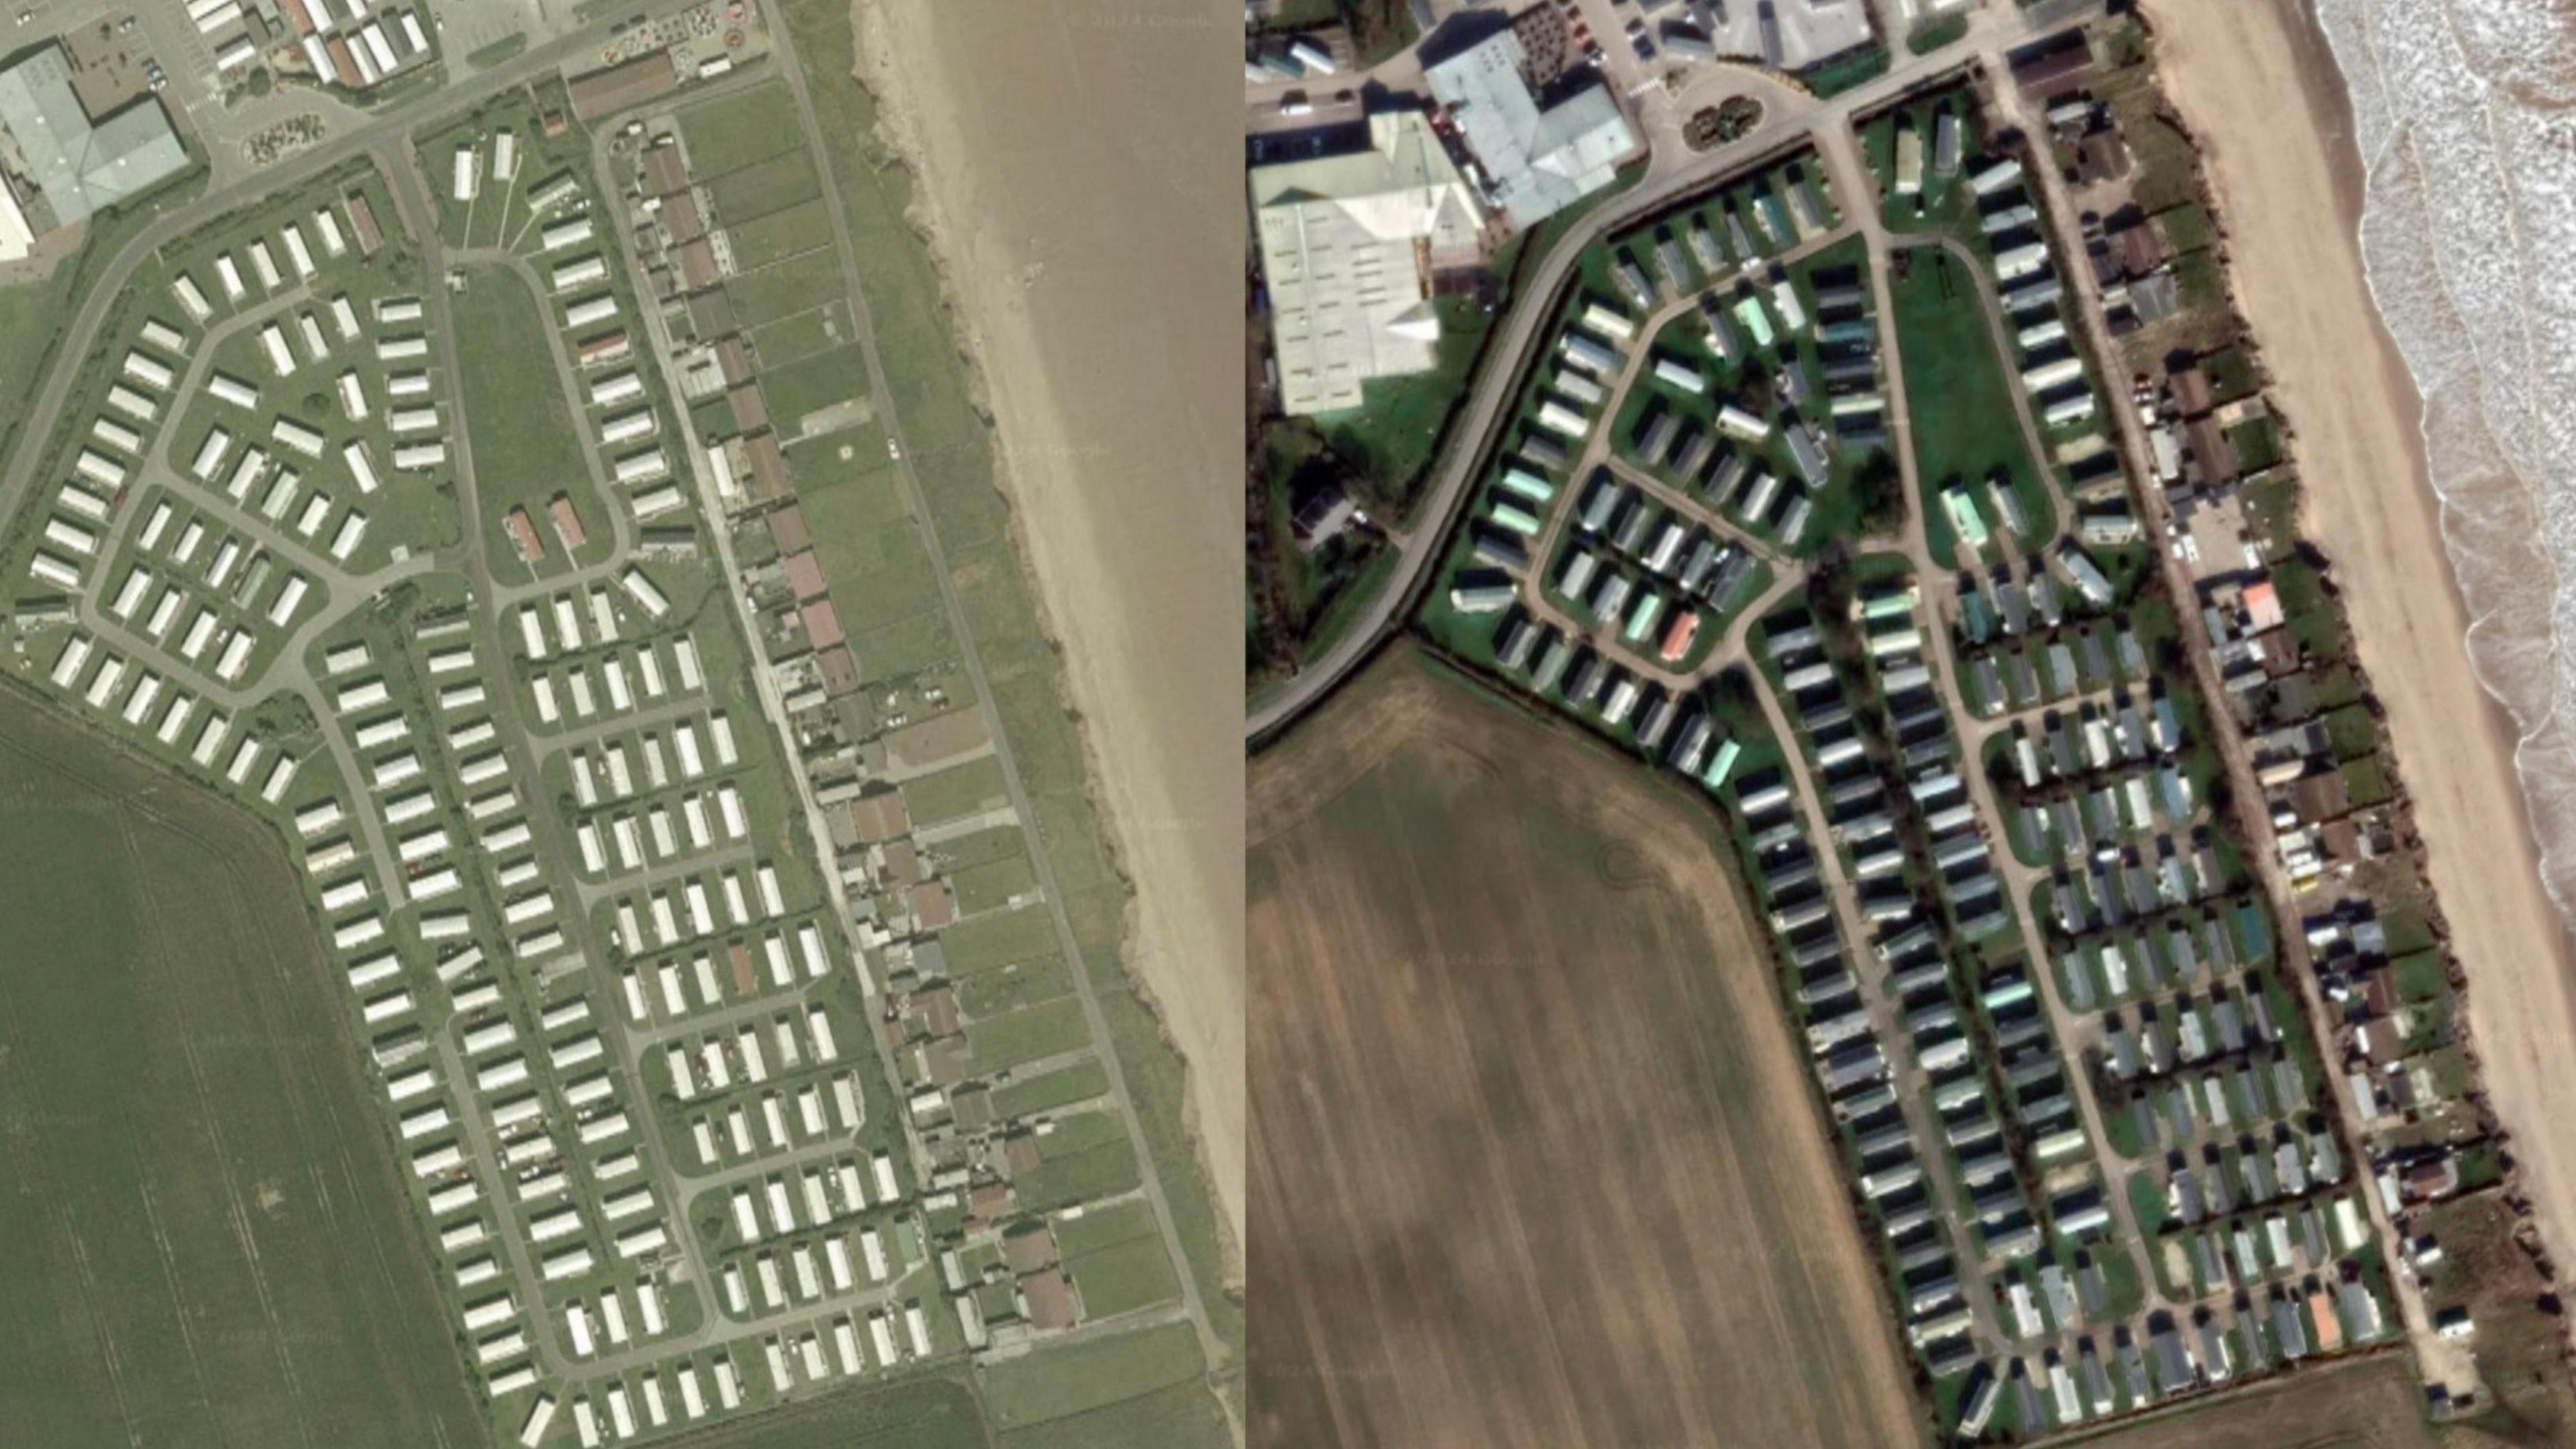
(1071, 217)
(2377, 365)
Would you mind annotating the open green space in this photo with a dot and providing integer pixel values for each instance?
(783, 288)
(762, 187)
(992, 884)
(1959, 399)
(1062, 1087)
(777, 235)
(955, 791)
(999, 939)
(729, 132)
(812, 383)
(527, 444)
(1124, 1277)
(1078, 1377)
(1046, 1030)
(871, 553)
(1388, 441)
(934, 1412)
(1183, 1413)
(209, 1243)
(1008, 988)
(794, 338)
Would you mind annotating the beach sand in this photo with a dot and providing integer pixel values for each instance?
(2244, 73)
(1092, 237)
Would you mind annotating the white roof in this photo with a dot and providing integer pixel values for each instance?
(1341, 242)
(1538, 161)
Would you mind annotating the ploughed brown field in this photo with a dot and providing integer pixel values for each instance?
(1534, 1160)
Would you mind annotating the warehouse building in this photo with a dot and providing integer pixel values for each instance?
(1537, 158)
(1350, 244)
(64, 165)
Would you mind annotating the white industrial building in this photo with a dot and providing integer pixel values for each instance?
(1349, 245)
(1536, 161)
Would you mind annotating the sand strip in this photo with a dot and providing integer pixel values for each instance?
(2242, 74)
(1087, 237)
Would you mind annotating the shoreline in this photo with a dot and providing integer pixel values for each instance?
(2368, 503)
(1159, 710)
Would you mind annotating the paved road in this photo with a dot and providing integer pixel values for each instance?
(35, 440)
(1791, 120)
(2438, 1360)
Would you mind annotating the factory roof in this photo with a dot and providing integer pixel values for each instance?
(1537, 159)
(76, 166)
(1348, 243)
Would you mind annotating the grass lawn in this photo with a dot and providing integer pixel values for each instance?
(955, 791)
(1027, 1035)
(1009, 988)
(1079, 1377)
(917, 1413)
(775, 236)
(730, 132)
(1060, 1088)
(763, 187)
(991, 885)
(1094, 1172)
(1124, 1277)
(1100, 1228)
(1959, 398)
(793, 339)
(871, 554)
(1180, 1414)
(999, 939)
(783, 289)
(812, 383)
(526, 442)
(1390, 438)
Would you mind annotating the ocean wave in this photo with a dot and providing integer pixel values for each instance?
(2465, 114)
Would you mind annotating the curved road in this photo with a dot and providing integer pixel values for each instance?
(35, 439)
(1791, 118)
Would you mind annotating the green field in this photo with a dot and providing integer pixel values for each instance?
(527, 444)
(999, 939)
(1027, 1035)
(730, 132)
(1080, 1377)
(918, 1413)
(1061, 1087)
(1098, 1171)
(762, 187)
(1024, 983)
(1103, 1228)
(783, 289)
(794, 338)
(955, 791)
(1958, 397)
(777, 235)
(209, 1241)
(1181, 1414)
(992, 885)
(817, 381)
(1124, 1277)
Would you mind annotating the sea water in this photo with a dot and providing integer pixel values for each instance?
(2465, 114)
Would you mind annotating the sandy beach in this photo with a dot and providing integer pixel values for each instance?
(1073, 221)
(2243, 73)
